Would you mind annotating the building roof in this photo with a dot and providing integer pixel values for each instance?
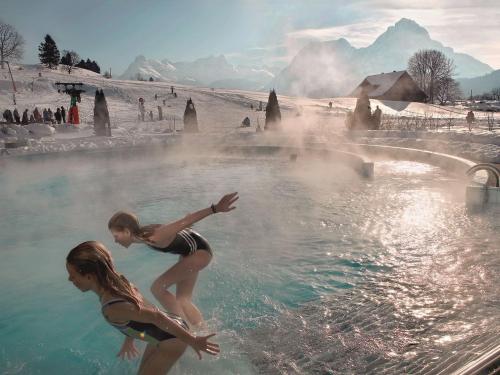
(380, 83)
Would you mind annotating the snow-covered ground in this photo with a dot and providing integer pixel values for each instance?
(220, 113)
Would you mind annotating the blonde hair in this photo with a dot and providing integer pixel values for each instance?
(92, 258)
(127, 220)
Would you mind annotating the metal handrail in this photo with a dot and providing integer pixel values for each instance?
(488, 361)
(489, 167)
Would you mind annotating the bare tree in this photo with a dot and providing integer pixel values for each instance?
(70, 59)
(11, 43)
(496, 93)
(448, 90)
(431, 69)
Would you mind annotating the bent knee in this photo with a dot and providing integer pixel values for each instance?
(183, 299)
(158, 287)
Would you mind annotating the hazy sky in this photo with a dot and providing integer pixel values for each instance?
(114, 32)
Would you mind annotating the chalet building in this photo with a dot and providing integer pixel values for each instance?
(391, 86)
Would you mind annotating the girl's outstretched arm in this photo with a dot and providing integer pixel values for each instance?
(165, 233)
(125, 311)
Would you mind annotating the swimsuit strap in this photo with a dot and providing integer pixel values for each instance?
(112, 302)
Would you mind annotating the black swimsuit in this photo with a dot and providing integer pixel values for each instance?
(185, 243)
(144, 331)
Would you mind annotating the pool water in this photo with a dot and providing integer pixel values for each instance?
(316, 271)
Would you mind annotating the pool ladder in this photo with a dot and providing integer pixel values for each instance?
(479, 196)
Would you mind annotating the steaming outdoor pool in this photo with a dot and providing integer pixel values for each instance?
(317, 271)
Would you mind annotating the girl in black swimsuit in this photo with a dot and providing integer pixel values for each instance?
(90, 267)
(176, 238)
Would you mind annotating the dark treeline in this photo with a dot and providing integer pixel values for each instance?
(49, 55)
(89, 65)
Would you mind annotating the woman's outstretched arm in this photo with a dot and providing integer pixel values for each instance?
(125, 311)
(165, 233)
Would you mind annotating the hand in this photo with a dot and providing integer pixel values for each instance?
(201, 344)
(226, 201)
(128, 349)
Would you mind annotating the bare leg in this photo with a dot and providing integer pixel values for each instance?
(166, 298)
(150, 349)
(186, 268)
(184, 294)
(159, 359)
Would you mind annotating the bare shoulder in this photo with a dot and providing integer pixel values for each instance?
(120, 311)
(162, 236)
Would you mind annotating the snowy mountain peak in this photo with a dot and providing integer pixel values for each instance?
(339, 67)
(213, 71)
(139, 59)
(404, 33)
(407, 25)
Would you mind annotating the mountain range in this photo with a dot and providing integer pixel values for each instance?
(213, 71)
(333, 68)
(320, 69)
(480, 85)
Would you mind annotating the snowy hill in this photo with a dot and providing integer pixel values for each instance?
(209, 72)
(220, 112)
(335, 67)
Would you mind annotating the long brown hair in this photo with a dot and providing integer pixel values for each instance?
(93, 258)
(127, 220)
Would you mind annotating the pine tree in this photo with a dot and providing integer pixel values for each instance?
(95, 67)
(273, 113)
(48, 52)
(81, 65)
(65, 59)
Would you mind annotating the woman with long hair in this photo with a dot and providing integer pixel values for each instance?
(90, 267)
(175, 238)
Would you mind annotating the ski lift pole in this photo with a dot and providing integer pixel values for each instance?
(13, 83)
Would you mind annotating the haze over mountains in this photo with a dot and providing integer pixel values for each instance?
(210, 72)
(482, 84)
(321, 69)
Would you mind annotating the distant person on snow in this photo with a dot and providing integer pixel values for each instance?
(45, 115)
(7, 115)
(245, 123)
(142, 109)
(37, 116)
(376, 118)
(57, 115)
(63, 114)
(25, 121)
(470, 119)
(17, 118)
(50, 116)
